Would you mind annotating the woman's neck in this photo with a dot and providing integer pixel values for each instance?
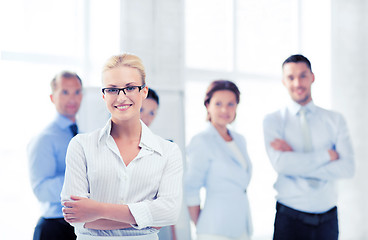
(126, 130)
(224, 132)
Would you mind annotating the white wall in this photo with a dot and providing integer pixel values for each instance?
(349, 96)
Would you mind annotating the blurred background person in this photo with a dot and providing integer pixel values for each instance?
(218, 161)
(46, 155)
(149, 107)
(310, 149)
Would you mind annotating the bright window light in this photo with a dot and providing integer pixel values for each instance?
(209, 34)
(40, 38)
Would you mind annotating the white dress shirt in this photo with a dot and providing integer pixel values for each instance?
(151, 185)
(306, 180)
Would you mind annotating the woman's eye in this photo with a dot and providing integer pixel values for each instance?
(130, 89)
(112, 90)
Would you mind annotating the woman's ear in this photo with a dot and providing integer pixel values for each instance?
(145, 92)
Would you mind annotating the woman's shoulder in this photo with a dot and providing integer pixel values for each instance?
(208, 132)
(88, 137)
(158, 143)
(201, 140)
(201, 136)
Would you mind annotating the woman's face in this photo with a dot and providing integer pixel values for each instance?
(222, 108)
(148, 111)
(123, 107)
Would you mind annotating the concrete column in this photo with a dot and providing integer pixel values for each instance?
(349, 96)
(154, 31)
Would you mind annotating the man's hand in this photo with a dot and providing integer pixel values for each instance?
(81, 210)
(281, 145)
(333, 155)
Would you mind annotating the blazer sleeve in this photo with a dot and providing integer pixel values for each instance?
(198, 162)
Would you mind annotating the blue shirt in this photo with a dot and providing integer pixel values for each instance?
(306, 180)
(212, 165)
(46, 155)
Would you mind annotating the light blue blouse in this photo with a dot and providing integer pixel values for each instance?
(212, 165)
(306, 180)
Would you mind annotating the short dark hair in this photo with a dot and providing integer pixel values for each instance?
(219, 85)
(63, 74)
(296, 59)
(153, 95)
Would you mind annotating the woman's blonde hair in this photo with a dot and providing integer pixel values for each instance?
(126, 60)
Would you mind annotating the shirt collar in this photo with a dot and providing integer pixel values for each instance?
(62, 121)
(295, 107)
(214, 131)
(148, 139)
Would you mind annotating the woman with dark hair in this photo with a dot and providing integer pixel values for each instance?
(149, 107)
(218, 161)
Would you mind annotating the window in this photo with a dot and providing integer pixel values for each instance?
(39, 38)
(266, 31)
(209, 34)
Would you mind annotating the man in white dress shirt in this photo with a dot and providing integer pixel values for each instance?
(309, 147)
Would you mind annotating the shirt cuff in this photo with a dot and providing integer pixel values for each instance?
(141, 214)
(192, 200)
(79, 225)
(323, 155)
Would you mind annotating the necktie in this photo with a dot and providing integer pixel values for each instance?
(307, 141)
(74, 129)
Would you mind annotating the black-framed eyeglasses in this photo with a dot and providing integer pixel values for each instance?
(126, 90)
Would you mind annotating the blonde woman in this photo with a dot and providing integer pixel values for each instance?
(122, 181)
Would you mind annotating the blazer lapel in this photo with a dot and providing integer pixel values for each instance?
(224, 148)
(242, 148)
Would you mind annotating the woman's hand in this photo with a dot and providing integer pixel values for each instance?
(81, 210)
(194, 212)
